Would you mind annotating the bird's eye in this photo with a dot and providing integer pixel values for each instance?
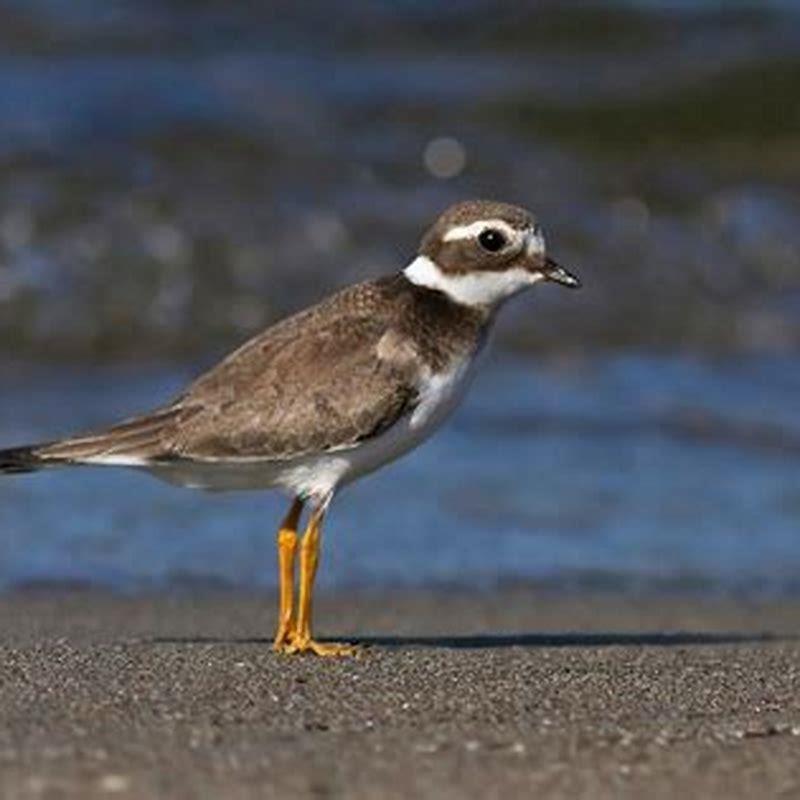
(492, 240)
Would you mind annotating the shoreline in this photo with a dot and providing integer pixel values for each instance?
(458, 694)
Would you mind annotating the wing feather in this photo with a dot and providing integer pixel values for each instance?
(324, 379)
(328, 387)
(139, 439)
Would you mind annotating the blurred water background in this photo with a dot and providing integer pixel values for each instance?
(175, 175)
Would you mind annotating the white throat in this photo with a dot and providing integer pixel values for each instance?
(473, 288)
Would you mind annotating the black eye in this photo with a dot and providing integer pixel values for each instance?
(492, 240)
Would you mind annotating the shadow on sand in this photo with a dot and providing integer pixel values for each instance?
(501, 641)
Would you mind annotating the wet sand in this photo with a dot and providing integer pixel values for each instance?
(514, 693)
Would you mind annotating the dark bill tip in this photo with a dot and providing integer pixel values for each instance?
(556, 273)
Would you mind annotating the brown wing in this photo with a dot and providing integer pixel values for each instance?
(326, 378)
(138, 439)
(328, 388)
(323, 379)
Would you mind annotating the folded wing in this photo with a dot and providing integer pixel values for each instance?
(325, 379)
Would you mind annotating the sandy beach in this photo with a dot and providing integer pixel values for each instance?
(513, 693)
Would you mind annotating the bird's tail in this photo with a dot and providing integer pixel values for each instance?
(134, 442)
(19, 459)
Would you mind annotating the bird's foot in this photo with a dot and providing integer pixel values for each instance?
(284, 636)
(305, 644)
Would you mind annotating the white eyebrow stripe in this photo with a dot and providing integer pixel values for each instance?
(475, 228)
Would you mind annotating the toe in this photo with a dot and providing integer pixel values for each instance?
(322, 649)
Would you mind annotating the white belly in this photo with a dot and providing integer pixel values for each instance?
(319, 475)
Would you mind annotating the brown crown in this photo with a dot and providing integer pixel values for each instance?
(466, 255)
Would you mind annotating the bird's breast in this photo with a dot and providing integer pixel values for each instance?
(440, 393)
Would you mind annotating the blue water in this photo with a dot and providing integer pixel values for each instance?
(174, 175)
(628, 472)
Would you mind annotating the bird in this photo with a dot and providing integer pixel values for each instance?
(331, 393)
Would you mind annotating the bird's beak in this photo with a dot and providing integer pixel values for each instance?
(556, 273)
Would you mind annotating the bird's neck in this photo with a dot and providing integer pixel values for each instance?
(441, 329)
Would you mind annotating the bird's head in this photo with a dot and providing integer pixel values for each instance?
(480, 253)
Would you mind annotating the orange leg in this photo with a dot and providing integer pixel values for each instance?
(302, 641)
(287, 549)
